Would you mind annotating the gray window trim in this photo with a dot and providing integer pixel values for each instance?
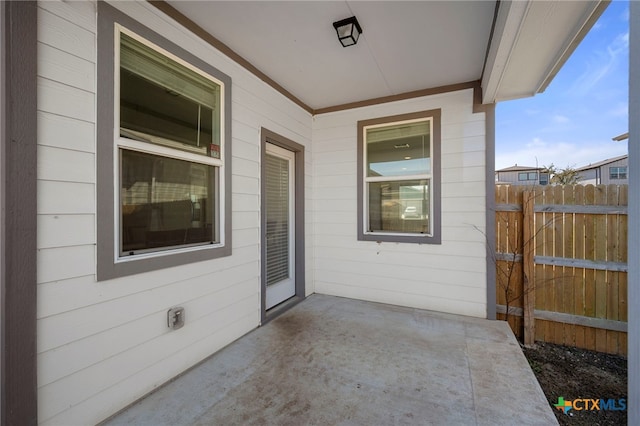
(18, 213)
(435, 237)
(107, 267)
(267, 136)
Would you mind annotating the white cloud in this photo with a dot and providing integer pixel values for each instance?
(560, 119)
(536, 143)
(538, 152)
(621, 42)
(601, 64)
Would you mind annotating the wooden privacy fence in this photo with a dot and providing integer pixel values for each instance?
(561, 264)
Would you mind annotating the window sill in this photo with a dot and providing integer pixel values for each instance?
(400, 238)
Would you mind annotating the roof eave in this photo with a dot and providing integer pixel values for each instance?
(531, 41)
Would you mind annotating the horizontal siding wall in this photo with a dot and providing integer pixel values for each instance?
(102, 345)
(450, 277)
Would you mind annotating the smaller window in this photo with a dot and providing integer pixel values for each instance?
(544, 178)
(617, 173)
(398, 158)
(527, 176)
(399, 178)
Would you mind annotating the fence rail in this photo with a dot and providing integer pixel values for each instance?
(561, 264)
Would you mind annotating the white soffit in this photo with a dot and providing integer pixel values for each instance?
(405, 45)
(531, 41)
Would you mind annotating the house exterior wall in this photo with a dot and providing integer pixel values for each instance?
(606, 180)
(512, 178)
(102, 345)
(448, 277)
(600, 175)
(589, 177)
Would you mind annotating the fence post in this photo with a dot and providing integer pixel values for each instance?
(528, 281)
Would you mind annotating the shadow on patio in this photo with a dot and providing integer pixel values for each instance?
(332, 360)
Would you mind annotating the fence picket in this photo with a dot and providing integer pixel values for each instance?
(601, 276)
(568, 232)
(578, 275)
(528, 233)
(590, 277)
(613, 276)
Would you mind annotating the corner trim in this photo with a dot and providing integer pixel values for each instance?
(18, 202)
(490, 226)
(267, 136)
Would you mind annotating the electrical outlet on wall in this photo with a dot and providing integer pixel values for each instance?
(175, 318)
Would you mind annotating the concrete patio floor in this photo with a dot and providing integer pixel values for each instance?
(332, 360)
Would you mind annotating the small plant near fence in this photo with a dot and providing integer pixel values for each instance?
(507, 260)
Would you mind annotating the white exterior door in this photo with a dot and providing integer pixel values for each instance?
(280, 230)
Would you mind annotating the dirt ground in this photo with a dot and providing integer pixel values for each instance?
(575, 374)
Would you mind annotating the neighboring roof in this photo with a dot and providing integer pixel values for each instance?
(517, 168)
(602, 163)
(621, 137)
(513, 48)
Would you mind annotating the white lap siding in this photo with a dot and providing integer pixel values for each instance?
(450, 277)
(102, 345)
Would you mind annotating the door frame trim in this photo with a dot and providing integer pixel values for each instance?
(267, 136)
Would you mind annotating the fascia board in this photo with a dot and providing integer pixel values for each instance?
(520, 23)
(509, 22)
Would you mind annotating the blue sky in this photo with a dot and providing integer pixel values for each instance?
(586, 104)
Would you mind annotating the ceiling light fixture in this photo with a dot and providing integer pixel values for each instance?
(348, 31)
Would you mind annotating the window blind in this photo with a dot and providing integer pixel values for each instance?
(401, 131)
(277, 201)
(146, 62)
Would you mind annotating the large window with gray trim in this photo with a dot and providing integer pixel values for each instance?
(169, 147)
(163, 152)
(399, 178)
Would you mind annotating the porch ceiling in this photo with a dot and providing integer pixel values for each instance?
(405, 46)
